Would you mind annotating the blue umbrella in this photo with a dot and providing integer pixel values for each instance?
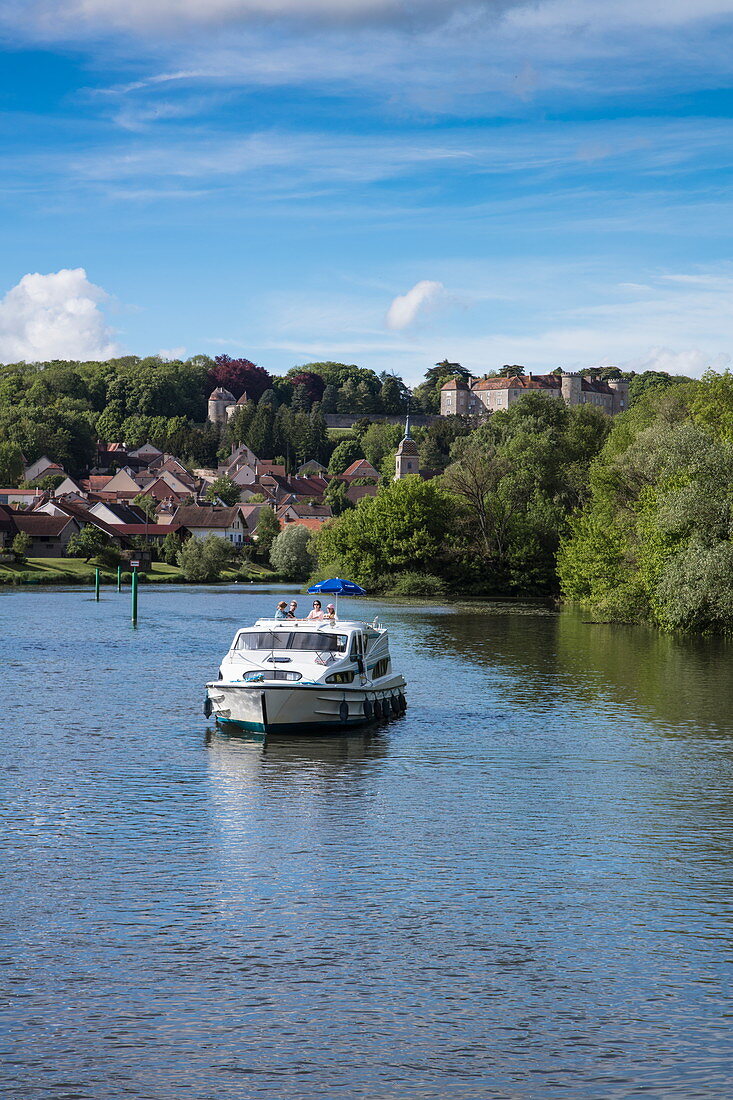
(337, 587)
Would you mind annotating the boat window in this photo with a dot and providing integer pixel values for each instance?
(285, 639)
(266, 639)
(322, 643)
(340, 678)
(258, 676)
(380, 669)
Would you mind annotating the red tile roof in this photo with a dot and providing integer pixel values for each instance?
(360, 468)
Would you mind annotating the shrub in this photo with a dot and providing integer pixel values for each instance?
(21, 545)
(416, 584)
(203, 560)
(290, 556)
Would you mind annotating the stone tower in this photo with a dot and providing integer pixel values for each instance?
(219, 402)
(571, 386)
(408, 457)
(620, 394)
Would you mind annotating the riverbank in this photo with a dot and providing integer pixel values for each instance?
(75, 571)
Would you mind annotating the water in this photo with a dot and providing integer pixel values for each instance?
(520, 889)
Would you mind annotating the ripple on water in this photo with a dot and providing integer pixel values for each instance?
(519, 889)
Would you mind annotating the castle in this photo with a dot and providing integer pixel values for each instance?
(493, 394)
(223, 405)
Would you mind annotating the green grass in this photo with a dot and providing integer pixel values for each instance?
(77, 571)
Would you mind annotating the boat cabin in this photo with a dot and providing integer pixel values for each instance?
(309, 645)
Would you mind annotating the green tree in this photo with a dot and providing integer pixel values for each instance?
(203, 560)
(170, 548)
(393, 395)
(87, 543)
(344, 455)
(266, 531)
(329, 402)
(380, 440)
(406, 527)
(147, 504)
(654, 539)
(335, 495)
(290, 555)
(21, 545)
(225, 490)
(11, 464)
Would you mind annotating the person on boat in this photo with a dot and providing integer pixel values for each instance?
(331, 613)
(281, 612)
(292, 609)
(317, 612)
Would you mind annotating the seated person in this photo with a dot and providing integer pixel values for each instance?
(317, 612)
(281, 613)
(331, 613)
(290, 614)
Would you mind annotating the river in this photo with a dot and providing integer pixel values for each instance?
(520, 889)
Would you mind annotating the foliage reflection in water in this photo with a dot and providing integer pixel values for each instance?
(519, 888)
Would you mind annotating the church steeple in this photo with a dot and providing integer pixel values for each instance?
(408, 457)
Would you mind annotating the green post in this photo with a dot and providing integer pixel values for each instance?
(96, 584)
(134, 597)
(119, 578)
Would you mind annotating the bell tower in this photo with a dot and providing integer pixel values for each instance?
(408, 457)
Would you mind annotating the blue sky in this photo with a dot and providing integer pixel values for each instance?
(384, 183)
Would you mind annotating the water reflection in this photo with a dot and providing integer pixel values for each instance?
(322, 757)
(547, 661)
(521, 888)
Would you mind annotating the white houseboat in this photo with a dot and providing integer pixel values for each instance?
(294, 676)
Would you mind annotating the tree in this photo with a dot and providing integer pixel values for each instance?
(290, 554)
(266, 531)
(147, 504)
(344, 454)
(21, 545)
(312, 383)
(87, 543)
(511, 370)
(330, 399)
(239, 376)
(476, 477)
(406, 527)
(335, 495)
(11, 464)
(169, 548)
(225, 490)
(203, 560)
(380, 440)
(393, 395)
(301, 399)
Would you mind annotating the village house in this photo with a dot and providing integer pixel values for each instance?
(293, 513)
(201, 520)
(489, 395)
(49, 534)
(42, 467)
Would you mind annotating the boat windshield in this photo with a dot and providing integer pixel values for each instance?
(275, 639)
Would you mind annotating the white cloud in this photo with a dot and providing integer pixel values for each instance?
(54, 316)
(172, 353)
(406, 308)
(55, 17)
(692, 362)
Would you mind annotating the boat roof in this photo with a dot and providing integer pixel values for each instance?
(326, 625)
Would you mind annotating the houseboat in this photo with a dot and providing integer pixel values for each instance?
(302, 676)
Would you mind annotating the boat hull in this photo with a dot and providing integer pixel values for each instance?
(286, 708)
